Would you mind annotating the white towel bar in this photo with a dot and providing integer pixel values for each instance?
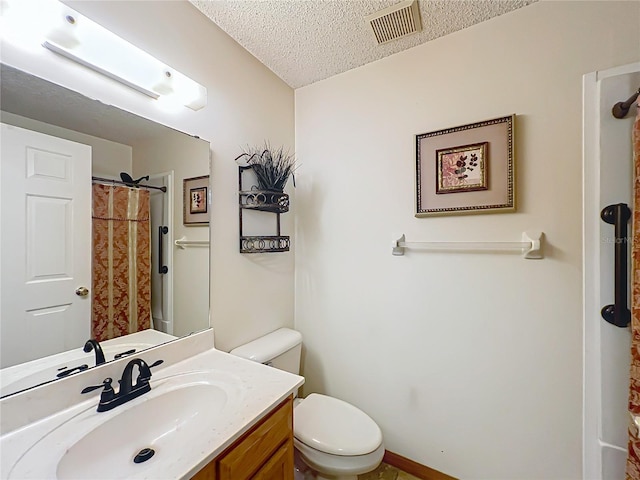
(530, 246)
(184, 243)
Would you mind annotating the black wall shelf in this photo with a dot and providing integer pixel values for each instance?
(250, 198)
(265, 201)
(256, 244)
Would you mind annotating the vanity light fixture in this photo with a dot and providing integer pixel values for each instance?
(66, 32)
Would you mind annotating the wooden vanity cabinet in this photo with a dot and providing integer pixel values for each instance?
(263, 453)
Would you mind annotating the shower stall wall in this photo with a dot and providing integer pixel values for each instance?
(162, 253)
(608, 175)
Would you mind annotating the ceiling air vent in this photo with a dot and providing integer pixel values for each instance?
(396, 21)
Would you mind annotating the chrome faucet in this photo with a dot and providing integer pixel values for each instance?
(95, 346)
(129, 390)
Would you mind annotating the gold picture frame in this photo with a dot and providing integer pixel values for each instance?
(467, 169)
(195, 206)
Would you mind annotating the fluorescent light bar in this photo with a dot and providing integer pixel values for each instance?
(69, 55)
(74, 36)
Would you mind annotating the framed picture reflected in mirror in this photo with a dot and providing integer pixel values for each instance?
(196, 200)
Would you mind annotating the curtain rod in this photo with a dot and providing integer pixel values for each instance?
(621, 109)
(110, 180)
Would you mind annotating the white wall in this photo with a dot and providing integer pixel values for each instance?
(107, 157)
(248, 104)
(186, 157)
(470, 363)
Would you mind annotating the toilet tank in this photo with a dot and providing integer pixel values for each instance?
(280, 349)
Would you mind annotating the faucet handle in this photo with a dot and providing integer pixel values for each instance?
(124, 354)
(107, 394)
(156, 363)
(68, 371)
(145, 372)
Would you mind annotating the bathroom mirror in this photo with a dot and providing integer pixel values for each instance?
(36, 350)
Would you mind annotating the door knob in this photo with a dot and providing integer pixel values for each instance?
(82, 291)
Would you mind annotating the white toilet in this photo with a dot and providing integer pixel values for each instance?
(334, 439)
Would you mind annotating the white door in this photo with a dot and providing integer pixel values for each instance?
(45, 244)
(608, 175)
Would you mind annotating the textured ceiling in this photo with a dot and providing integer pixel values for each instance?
(304, 41)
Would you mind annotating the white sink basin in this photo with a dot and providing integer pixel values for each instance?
(176, 412)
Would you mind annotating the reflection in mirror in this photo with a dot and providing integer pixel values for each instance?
(91, 203)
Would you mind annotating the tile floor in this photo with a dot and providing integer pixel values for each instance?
(387, 472)
(383, 472)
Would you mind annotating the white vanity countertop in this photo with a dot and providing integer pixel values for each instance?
(256, 389)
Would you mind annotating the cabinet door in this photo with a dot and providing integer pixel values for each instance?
(253, 451)
(207, 473)
(279, 466)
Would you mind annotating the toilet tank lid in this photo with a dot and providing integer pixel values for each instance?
(268, 347)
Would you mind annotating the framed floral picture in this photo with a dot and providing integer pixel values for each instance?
(462, 169)
(196, 200)
(466, 169)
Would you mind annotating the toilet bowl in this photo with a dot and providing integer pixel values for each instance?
(333, 438)
(336, 439)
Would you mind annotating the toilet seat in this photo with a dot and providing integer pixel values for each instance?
(335, 427)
